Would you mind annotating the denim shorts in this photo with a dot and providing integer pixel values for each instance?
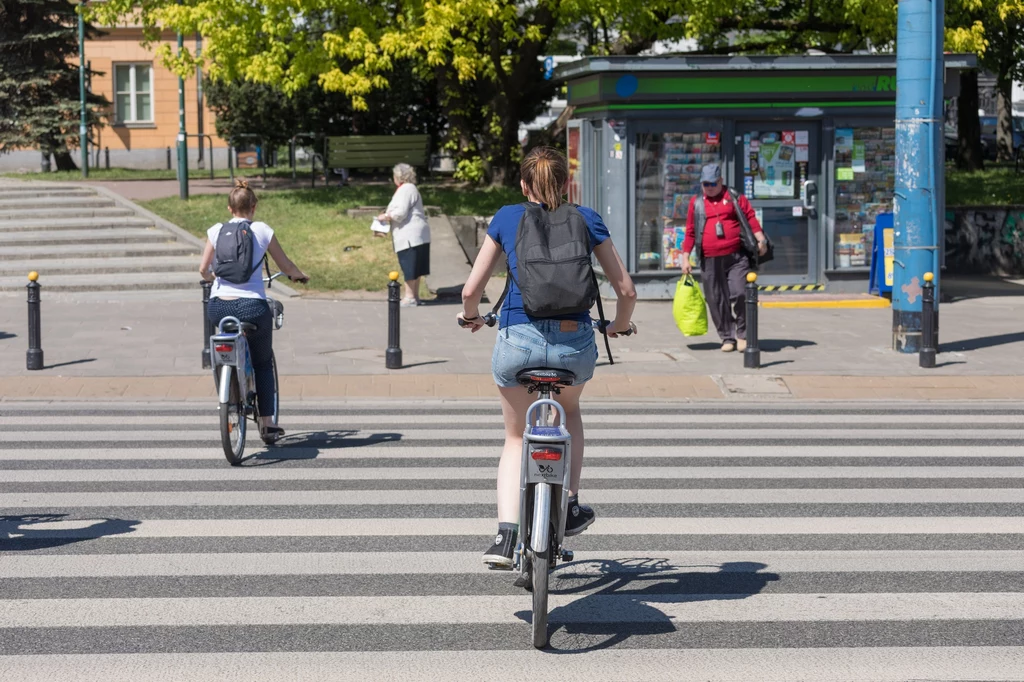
(543, 344)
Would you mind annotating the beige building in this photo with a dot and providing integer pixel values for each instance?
(142, 123)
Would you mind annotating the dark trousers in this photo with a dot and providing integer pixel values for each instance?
(261, 349)
(725, 279)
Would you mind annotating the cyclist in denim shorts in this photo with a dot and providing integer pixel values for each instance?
(524, 341)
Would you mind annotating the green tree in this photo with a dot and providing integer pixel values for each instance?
(39, 88)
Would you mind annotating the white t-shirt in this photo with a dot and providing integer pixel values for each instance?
(262, 234)
(408, 220)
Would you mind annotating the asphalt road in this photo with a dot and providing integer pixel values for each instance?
(763, 542)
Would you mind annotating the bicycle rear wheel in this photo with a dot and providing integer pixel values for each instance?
(232, 424)
(539, 576)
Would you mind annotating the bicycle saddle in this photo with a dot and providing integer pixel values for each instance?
(537, 376)
(231, 327)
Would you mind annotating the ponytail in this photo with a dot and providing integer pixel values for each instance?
(545, 172)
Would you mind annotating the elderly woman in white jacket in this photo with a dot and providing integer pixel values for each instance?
(410, 231)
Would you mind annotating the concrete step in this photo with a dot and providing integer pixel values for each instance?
(102, 223)
(128, 235)
(29, 192)
(101, 251)
(61, 201)
(57, 214)
(52, 267)
(111, 282)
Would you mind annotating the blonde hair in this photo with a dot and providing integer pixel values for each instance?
(404, 173)
(242, 200)
(545, 171)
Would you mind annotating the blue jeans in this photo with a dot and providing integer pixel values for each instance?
(544, 343)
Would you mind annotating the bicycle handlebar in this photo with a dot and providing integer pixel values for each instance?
(490, 319)
(269, 280)
(604, 324)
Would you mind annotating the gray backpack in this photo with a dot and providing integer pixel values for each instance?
(232, 256)
(555, 274)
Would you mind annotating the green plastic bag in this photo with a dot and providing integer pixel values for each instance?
(689, 309)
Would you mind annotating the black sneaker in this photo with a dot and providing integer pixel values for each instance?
(578, 518)
(499, 556)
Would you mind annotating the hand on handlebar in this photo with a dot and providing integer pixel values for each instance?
(609, 326)
(474, 324)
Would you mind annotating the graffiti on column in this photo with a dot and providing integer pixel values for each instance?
(985, 240)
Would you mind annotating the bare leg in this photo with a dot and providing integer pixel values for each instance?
(570, 402)
(514, 403)
(412, 289)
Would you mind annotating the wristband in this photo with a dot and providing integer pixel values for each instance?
(468, 319)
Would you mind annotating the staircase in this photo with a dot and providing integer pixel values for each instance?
(80, 239)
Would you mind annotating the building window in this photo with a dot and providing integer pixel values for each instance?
(133, 93)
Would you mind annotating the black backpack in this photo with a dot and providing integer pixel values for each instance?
(556, 277)
(232, 256)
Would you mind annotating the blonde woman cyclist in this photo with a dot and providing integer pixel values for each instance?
(523, 341)
(248, 301)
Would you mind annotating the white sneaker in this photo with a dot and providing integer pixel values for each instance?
(741, 345)
(728, 347)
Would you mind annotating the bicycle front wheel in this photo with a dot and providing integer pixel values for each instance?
(232, 425)
(539, 577)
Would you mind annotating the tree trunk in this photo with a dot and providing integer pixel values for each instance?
(1004, 114)
(969, 156)
(64, 161)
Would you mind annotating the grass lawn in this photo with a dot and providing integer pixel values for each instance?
(315, 231)
(996, 185)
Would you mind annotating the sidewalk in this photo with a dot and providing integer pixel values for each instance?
(135, 345)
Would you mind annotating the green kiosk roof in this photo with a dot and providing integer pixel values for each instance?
(675, 82)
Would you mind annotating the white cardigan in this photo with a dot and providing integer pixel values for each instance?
(409, 226)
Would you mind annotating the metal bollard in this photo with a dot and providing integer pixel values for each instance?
(752, 354)
(34, 356)
(393, 356)
(106, 157)
(926, 356)
(168, 158)
(207, 326)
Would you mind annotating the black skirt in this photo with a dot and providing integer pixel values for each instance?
(415, 261)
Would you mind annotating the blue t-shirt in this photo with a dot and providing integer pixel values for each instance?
(503, 228)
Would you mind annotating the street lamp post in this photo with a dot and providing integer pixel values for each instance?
(83, 130)
(182, 144)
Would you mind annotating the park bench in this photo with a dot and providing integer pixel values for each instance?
(378, 151)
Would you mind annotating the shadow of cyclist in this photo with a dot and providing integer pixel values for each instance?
(309, 445)
(620, 598)
(41, 531)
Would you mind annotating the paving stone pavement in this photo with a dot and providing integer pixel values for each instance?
(138, 335)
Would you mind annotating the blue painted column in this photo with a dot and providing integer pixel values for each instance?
(920, 167)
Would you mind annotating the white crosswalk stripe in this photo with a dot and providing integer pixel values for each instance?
(798, 542)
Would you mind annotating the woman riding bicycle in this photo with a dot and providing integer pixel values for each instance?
(248, 301)
(524, 341)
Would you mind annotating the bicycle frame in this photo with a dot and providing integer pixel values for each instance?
(540, 479)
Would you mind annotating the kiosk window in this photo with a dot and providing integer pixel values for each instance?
(865, 162)
(667, 175)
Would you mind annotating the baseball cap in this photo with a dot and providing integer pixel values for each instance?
(711, 173)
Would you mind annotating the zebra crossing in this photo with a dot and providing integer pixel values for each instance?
(733, 541)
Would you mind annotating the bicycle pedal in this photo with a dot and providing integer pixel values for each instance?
(567, 555)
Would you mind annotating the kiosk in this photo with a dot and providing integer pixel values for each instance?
(810, 140)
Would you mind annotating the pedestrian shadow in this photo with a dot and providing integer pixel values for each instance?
(309, 445)
(41, 531)
(982, 342)
(7, 335)
(636, 586)
(776, 345)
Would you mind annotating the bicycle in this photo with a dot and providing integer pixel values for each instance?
(544, 477)
(236, 381)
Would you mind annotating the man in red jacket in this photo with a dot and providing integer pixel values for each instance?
(724, 265)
